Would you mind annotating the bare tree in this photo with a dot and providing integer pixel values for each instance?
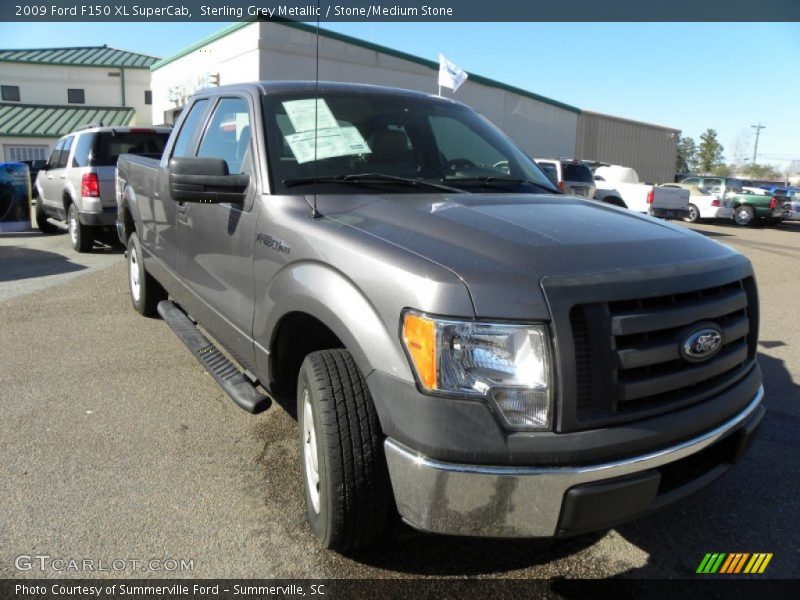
(740, 149)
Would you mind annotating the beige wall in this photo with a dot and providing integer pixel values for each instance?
(48, 84)
(649, 149)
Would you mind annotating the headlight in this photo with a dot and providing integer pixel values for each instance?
(507, 364)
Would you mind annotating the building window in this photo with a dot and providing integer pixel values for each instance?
(20, 153)
(10, 93)
(148, 96)
(76, 96)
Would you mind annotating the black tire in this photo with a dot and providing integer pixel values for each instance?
(149, 293)
(354, 494)
(42, 223)
(743, 215)
(694, 214)
(80, 236)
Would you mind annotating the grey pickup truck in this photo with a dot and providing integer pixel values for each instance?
(465, 345)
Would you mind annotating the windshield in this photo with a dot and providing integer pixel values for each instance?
(401, 138)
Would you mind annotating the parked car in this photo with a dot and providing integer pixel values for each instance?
(76, 184)
(462, 343)
(571, 176)
(703, 204)
(620, 185)
(34, 166)
(758, 206)
(715, 185)
(794, 208)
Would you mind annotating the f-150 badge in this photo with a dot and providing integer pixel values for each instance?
(271, 242)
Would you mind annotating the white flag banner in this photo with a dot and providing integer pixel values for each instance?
(450, 75)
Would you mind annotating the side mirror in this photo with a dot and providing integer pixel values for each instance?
(206, 181)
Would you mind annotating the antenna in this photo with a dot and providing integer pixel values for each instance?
(314, 212)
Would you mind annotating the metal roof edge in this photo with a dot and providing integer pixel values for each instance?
(627, 120)
(363, 44)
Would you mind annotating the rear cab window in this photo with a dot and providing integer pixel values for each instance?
(577, 172)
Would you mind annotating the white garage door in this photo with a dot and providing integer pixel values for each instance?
(19, 153)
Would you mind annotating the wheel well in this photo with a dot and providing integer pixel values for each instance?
(67, 199)
(615, 201)
(297, 335)
(128, 222)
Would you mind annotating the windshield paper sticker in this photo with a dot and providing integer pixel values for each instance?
(301, 114)
(331, 142)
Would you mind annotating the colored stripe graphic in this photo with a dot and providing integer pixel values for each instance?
(733, 563)
(711, 563)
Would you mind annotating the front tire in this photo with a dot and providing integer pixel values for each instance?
(42, 223)
(145, 291)
(346, 481)
(81, 236)
(743, 215)
(694, 214)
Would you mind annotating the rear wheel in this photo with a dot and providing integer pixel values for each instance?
(743, 215)
(42, 223)
(347, 489)
(81, 236)
(694, 214)
(145, 291)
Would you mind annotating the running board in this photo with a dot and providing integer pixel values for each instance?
(227, 375)
(60, 224)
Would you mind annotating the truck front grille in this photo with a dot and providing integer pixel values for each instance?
(628, 363)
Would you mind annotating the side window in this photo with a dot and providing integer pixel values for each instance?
(228, 134)
(712, 183)
(692, 181)
(550, 170)
(183, 144)
(52, 162)
(83, 150)
(62, 158)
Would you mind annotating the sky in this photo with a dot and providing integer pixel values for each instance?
(690, 76)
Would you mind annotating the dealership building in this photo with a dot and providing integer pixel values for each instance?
(542, 127)
(48, 92)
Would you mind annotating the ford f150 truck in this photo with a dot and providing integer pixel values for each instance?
(461, 341)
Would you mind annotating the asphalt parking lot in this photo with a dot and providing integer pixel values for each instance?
(117, 445)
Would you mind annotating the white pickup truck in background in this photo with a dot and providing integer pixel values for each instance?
(620, 185)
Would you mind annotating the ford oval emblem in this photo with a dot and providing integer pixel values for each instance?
(701, 344)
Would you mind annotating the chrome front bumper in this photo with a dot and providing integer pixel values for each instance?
(478, 500)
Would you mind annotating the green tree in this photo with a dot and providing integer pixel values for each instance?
(709, 154)
(723, 170)
(687, 155)
(767, 172)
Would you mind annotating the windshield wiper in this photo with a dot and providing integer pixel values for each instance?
(367, 178)
(500, 179)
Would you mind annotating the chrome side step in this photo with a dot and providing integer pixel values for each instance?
(233, 382)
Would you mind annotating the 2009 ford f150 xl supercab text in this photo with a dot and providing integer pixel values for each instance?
(462, 341)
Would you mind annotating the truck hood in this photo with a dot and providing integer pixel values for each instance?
(502, 245)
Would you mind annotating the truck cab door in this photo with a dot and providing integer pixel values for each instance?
(159, 212)
(217, 240)
(54, 178)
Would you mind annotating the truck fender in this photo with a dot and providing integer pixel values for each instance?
(331, 297)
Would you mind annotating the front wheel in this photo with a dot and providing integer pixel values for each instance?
(145, 291)
(743, 215)
(42, 223)
(694, 214)
(81, 236)
(346, 481)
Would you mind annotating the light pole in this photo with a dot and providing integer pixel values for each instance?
(758, 129)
